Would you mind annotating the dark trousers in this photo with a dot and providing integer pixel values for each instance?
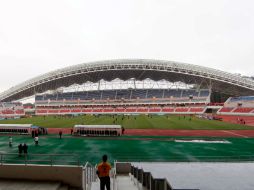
(105, 181)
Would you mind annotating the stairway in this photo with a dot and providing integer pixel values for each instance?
(28, 185)
(125, 183)
(6, 184)
(122, 183)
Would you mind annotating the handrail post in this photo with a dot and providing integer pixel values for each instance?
(89, 176)
(51, 160)
(26, 159)
(78, 161)
(94, 174)
(84, 179)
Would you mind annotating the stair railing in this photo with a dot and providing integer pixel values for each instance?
(89, 176)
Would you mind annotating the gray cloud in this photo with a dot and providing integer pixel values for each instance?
(39, 36)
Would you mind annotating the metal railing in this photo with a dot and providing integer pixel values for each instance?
(113, 175)
(148, 181)
(89, 176)
(75, 159)
(44, 159)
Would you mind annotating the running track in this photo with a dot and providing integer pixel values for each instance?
(249, 120)
(165, 132)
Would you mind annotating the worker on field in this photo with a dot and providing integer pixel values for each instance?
(36, 140)
(20, 147)
(103, 170)
(33, 134)
(10, 141)
(123, 129)
(60, 134)
(25, 148)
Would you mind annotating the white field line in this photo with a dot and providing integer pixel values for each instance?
(235, 134)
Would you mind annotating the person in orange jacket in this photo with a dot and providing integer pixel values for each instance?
(103, 170)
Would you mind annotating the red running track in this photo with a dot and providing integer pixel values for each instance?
(165, 132)
(249, 120)
(57, 130)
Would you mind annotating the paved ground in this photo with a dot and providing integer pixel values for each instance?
(204, 176)
(28, 185)
(178, 132)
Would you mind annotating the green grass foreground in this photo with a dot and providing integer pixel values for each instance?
(135, 149)
(129, 122)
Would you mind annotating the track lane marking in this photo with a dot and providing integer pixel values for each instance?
(235, 134)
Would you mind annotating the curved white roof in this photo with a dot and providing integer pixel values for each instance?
(126, 69)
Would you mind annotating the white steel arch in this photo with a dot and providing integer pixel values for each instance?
(126, 69)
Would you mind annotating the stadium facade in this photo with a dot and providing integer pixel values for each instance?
(202, 84)
(139, 69)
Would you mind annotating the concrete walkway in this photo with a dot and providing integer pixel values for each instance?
(125, 183)
(28, 185)
(122, 183)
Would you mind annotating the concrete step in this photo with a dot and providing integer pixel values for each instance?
(96, 185)
(63, 187)
(125, 183)
(28, 185)
(122, 183)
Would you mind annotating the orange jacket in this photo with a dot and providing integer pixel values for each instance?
(103, 169)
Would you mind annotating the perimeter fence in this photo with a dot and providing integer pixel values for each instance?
(75, 159)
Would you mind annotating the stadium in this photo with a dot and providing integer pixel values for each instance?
(135, 111)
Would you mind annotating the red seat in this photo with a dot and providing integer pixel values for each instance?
(8, 112)
(76, 110)
(87, 110)
(196, 109)
(131, 109)
(167, 109)
(120, 109)
(64, 111)
(226, 109)
(53, 111)
(181, 109)
(155, 109)
(19, 112)
(97, 109)
(243, 110)
(108, 110)
(144, 109)
(41, 111)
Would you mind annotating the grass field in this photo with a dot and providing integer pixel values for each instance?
(130, 122)
(128, 149)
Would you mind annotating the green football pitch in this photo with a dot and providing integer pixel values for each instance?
(130, 122)
(136, 149)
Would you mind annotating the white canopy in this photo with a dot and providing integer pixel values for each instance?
(16, 125)
(98, 126)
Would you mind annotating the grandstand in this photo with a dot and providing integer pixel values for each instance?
(242, 105)
(200, 86)
(136, 69)
(188, 90)
(128, 96)
(11, 110)
(180, 101)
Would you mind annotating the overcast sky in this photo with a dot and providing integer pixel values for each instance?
(39, 36)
